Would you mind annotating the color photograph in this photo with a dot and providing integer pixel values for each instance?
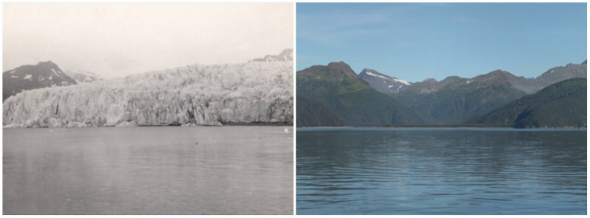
(441, 108)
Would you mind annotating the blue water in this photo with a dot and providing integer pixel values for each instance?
(148, 170)
(440, 171)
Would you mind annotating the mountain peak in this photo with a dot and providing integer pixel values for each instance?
(340, 66)
(286, 52)
(584, 63)
(343, 68)
(372, 72)
(340, 63)
(382, 82)
(48, 64)
(27, 77)
(369, 70)
(498, 71)
(285, 55)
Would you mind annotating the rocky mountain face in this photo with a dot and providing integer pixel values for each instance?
(82, 76)
(28, 77)
(454, 99)
(558, 74)
(335, 95)
(560, 105)
(285, 55)
(382, 82)
(387, 84)
(254, 92)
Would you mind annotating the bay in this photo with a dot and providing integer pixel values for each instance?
(441, 171)
(148, 170)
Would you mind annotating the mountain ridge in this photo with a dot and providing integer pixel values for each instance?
(559, 105)
(285, 55)
(455, 99)
(29, 77)
(338, 91)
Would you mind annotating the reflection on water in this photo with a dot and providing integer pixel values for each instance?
(149, 170)
(441, 171)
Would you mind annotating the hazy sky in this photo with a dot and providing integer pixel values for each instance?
(419, 41)
(117, 39)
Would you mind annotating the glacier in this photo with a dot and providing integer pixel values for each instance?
(252, 92)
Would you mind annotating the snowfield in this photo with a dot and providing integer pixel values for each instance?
(191, 95)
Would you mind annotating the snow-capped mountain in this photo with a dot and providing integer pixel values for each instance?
(382, 82)
(192, 95)
(82, 76)
(28, 77)
(285, 55)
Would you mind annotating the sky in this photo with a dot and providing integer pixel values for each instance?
(118, 39)
(416, 41)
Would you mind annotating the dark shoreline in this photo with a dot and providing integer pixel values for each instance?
(434, 127)
(228, 124)
(257, 124)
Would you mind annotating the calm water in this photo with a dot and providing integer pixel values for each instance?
(441, 171)
(148, 170)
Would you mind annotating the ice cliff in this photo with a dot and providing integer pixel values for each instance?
(191, 95)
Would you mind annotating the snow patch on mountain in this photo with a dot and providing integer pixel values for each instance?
(401, 81)
(375, 75)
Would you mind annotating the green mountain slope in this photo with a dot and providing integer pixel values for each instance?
(560, 105)
(455, 99)
(313, 113)
(340, 90)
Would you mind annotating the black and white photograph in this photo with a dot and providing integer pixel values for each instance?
(148, 108)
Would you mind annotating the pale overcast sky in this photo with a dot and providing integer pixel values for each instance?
(118, 39)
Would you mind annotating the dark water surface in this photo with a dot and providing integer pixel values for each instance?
(148, 170)
(440, 171)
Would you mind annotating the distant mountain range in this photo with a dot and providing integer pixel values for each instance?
(454, 99)
(285, 55)
(27, 77)
(451, 101)
(245, 93)
(562, 104)
(82, 76)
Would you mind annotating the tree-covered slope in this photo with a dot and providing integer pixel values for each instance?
(455, 99)
(313, 113)
(339, 88)
(557, 106)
